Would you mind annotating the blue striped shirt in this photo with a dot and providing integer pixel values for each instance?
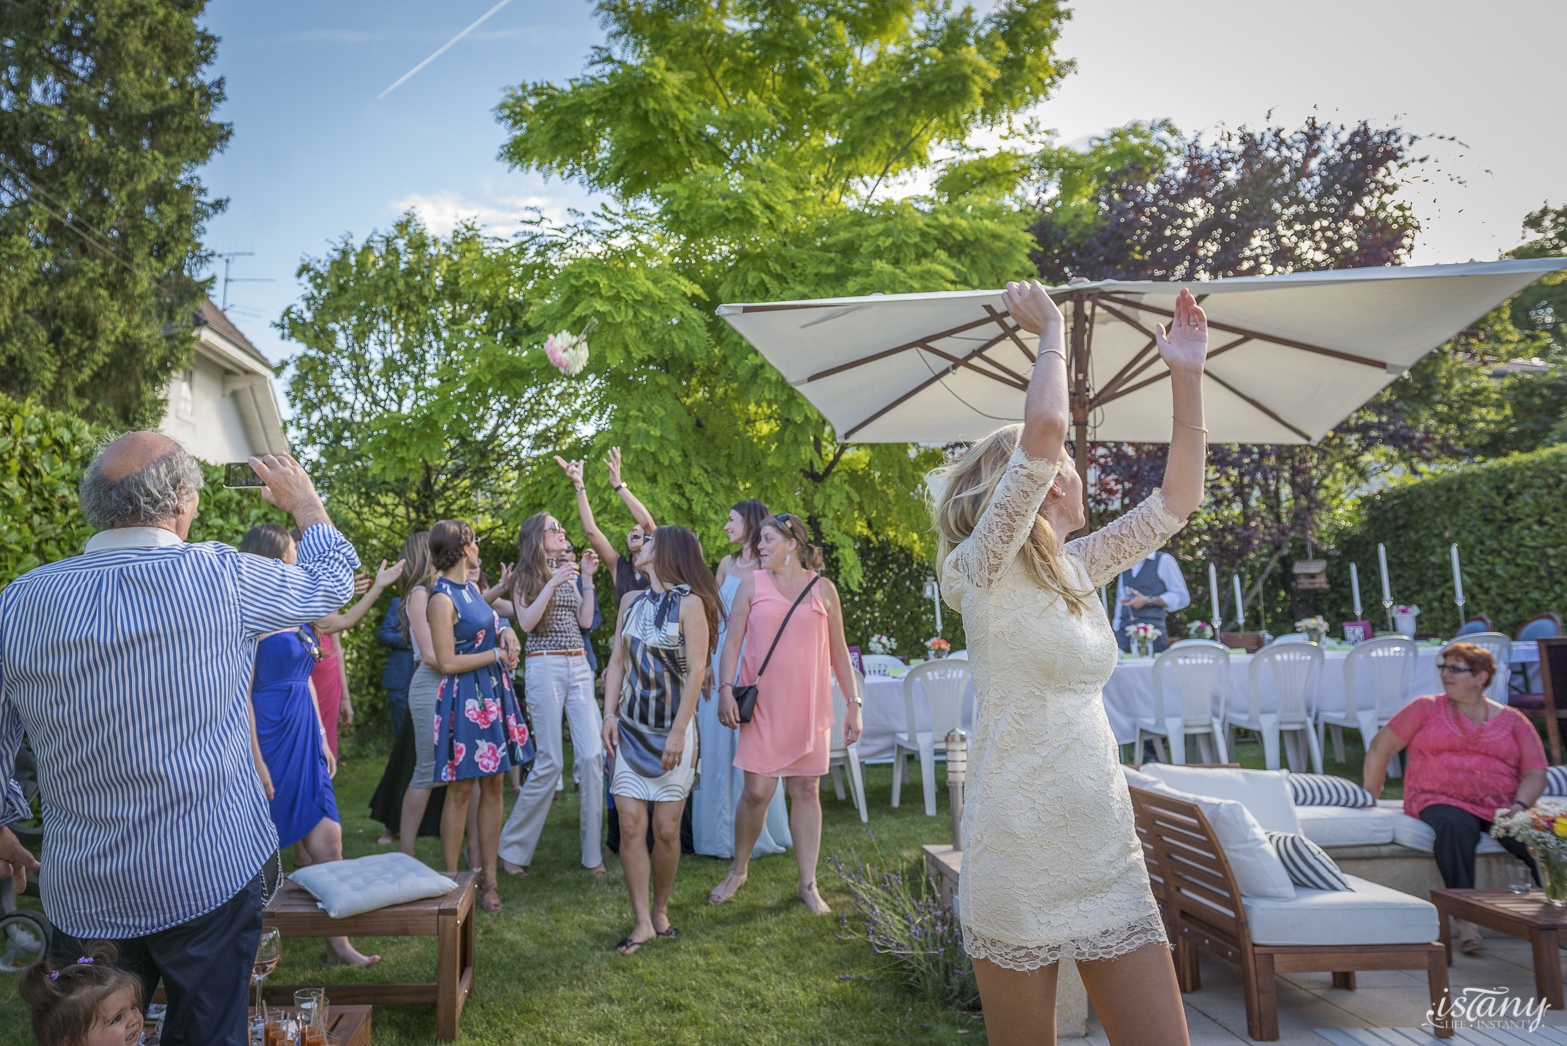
(129, 669)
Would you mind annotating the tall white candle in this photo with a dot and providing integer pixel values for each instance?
(1354, 588)
(1240, 607)
(1213, 593)
(1458, 578)
(1387, 593)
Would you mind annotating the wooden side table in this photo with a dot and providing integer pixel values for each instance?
(1527, 916)
(449, 919)
(351, 1024)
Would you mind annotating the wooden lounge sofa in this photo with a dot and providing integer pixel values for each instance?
(1203, 908)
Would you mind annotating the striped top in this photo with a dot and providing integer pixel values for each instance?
(655, 659)
(129, 669)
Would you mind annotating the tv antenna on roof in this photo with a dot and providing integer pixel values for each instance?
(228, 262)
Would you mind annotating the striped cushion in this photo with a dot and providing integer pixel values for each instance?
(1322, 790)
(1556, 780)
(1306, 863)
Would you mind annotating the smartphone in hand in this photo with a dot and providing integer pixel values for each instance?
(239, 474)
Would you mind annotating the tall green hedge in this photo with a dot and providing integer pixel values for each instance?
(1509, 519)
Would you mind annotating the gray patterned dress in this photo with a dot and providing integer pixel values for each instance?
(655, 660)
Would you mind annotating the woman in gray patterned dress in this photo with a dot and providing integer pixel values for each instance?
(663, 640)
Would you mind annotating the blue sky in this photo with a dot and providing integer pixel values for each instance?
(316, 155)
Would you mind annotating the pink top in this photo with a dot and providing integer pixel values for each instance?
(328, 678)
(790, 734)
(1452, 760)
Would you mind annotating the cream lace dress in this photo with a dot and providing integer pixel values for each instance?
(1052, 868)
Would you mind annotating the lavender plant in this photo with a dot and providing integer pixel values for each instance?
(910, 928)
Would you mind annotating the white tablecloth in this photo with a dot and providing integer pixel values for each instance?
(883, 716)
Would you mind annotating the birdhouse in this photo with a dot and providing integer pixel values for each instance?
(1311, 573)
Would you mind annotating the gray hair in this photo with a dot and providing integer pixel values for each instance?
(144, 498)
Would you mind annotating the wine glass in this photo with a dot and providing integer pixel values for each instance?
(269, 952)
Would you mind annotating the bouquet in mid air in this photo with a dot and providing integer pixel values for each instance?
(568, 351)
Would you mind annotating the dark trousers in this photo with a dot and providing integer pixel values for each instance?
(204, 965)
(1457, 835)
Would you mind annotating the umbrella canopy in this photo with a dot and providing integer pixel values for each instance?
(1289, 356)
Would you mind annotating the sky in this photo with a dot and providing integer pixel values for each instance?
(318, 155)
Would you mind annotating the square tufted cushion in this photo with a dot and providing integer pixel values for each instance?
(1368, 913)
(345, 888)
(1266, 793)
(1345, 826)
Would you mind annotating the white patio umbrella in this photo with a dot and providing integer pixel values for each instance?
(1289, 356)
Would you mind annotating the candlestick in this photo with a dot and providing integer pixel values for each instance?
(1458, 578)
(1354, 588)
(1213, 593)
(1387, 593)
(1240, 608)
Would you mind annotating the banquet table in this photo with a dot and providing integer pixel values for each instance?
(1129, 695)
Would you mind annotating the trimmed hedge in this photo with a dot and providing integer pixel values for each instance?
(891, 601)
(1507, 517)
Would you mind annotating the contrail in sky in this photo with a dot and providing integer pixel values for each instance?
(409, 74)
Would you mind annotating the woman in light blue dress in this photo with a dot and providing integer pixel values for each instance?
(715, 799)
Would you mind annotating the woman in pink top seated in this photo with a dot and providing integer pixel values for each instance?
(1468, 757)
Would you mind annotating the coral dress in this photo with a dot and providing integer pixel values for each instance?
(328, 678)
(1052, 868)
(479, 729)
(290, 735)
(790, 734)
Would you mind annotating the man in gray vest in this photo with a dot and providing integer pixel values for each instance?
(1145, 594)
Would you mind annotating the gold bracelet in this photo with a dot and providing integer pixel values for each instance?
(1054, 352)
(1188, 424)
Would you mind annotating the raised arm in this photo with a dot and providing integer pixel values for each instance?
(587, 606)
(274, 595)
(596, 538)
(342, 621)
(494, 595)
(638, 513)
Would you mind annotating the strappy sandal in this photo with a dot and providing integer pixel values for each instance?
(627, 946)
(719, 897)
(669, 933)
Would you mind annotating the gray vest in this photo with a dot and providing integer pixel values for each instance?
(1145, 579)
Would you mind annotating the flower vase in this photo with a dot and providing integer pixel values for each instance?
(1553, 869)
(1404, 624)
(1142, 647)
(1316, 635)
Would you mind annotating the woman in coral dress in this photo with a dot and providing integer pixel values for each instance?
(1052, 868)
(790, 733)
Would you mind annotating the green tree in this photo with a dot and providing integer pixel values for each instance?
(754, 151)
(105, 116)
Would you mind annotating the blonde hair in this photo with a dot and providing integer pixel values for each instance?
(965, 489)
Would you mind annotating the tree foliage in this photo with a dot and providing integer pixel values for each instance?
(105, 116)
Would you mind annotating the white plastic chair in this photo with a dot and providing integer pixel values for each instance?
(1501, 648)
(1390, 662)
(958, 655)
(943, 684)
(1297, 668)
(880, 664)
(1196, 669)
(847, 757)
(1293, 637)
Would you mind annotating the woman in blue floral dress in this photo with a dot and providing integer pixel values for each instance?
(479, 729)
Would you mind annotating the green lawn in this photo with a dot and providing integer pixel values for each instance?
(758, 970)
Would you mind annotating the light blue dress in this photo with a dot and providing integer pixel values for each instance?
(715, 799)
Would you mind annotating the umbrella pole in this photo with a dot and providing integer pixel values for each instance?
(1079, 398)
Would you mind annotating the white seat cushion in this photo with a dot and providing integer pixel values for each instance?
(1345, 826)
(1417, 835)
(364, 884)
(1371, 914)
(1265, 793)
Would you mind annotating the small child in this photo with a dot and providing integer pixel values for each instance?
(91, 1002)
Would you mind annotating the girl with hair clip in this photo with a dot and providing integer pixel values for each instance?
(622, 566)
(479, 729)
(547, 605)
(713, 803)
(1045, 788)
(663, 639)
(789, 616)
(90, 1002)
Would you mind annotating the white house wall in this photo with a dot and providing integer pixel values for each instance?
(212, 430)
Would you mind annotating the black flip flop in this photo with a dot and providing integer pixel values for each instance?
(629, 947)
(668, 933)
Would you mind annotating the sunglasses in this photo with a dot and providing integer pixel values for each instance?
(555, 528)
(1443, 666)
(310, 643)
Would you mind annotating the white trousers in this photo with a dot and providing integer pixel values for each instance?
(553, 685)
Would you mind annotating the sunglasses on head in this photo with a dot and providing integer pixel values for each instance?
(310, 643)
(1443, 666)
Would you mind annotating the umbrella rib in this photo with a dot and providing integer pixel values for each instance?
(1259, 406)
(1018, 383)
(1127, 373)
(1275, 339)
(927, 383)
(1001, 318)
(1124, 318)
(1111, 392)
(883, 354)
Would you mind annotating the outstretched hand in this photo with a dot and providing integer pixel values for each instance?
(1185, 346)
(573, 470)
(612, 462)
(1029, 303)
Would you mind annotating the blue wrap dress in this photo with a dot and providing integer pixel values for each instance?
(289, 732)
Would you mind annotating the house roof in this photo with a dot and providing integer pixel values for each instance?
(213, 316)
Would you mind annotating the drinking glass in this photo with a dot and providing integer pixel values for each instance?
(269, 952)
(1518, 878)
(307, 1003)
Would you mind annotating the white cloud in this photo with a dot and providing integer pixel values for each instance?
(500, 215)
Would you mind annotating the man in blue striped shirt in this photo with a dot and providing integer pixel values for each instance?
(129, 670)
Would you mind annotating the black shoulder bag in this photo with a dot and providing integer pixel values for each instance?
(745, 696)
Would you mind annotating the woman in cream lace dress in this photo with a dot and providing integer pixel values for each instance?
(1052, 868)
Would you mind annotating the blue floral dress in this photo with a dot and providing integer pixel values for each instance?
(479, 729)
